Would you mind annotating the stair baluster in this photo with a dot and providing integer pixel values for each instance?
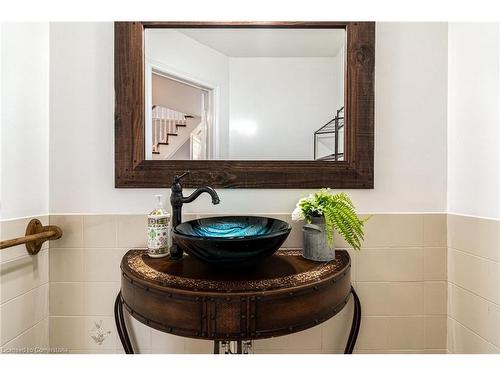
(165, 123)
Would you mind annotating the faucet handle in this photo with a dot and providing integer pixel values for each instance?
(177, 178)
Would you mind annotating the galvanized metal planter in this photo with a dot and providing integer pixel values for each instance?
(315, 242)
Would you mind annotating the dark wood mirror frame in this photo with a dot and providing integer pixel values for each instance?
(132, 170)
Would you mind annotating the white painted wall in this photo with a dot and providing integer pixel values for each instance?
(410, 128)
(276, 105)
(24, 119)
(474, 119)
(24, 176)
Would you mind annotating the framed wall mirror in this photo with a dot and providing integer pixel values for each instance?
(244, 105)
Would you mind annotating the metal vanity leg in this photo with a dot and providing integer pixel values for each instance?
(121, 326)
(356, 323)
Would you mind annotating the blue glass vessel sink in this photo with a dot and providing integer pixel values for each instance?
(231, 241)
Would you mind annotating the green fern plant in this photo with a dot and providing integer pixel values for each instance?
(339, 213)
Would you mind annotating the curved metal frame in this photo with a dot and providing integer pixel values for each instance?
(121, 327)
(355, 325)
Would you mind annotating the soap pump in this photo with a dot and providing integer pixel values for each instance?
(158, 232)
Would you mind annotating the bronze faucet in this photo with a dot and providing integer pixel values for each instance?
(177, 200)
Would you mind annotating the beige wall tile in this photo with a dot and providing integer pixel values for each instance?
(493, 291)
(36, 338)
(354, 265)
(435, 300)
(480, 237)
(280, 342)
(132, 231)
(435, 263)
(373, 333)
(100, 297)
(10, 229)
(23, 312)
(12, 253)
(18, 276)
(164, 343)
(335, 331)
(193, 346)
(82, 299)
(387, 351)
(140, 334)
(480, 276)
(13, 228)
(72, 227)
(450, 335)
(448, 298)
(67, 298)
(436, 351)
(23, 289)
(468, 271)
(381, 230)
(391, 298)
(401, 230)
(435, 332)
(294, 239)
(469, 309)
(462, 340)
(494, 324)
(75, 333)
(108, 325)
(188, 216)
(435, 230)
(309, 339)
(286, 351)
(388, 229)
(100, 351)
(389, 271)
(405, 332)
(66, 264)
(99, 231)
(476, 313)
(66, 332)
(390, 264)
(102, 264)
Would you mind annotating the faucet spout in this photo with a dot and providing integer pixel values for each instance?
(198, 192)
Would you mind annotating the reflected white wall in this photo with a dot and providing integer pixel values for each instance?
(184, 57)
(276, 104)
(261, 99)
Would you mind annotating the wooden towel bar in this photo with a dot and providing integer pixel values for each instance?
(36, 235)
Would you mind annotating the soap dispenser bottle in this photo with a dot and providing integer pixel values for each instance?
(158, 232)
